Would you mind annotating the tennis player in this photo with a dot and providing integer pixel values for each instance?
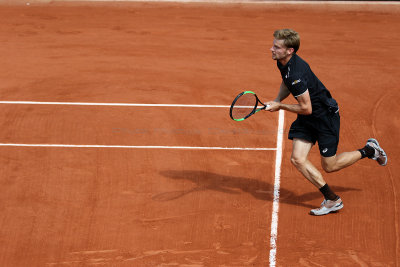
(318, 120)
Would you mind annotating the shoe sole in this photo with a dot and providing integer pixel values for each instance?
(373, 140)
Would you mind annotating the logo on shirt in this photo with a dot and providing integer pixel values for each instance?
(325, 150)
(296, 82)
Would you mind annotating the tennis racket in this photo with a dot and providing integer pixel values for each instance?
(245, 105)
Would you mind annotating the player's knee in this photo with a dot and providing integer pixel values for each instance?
(297, 162)
(329, 167)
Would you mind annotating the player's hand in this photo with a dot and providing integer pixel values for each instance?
(272, 106)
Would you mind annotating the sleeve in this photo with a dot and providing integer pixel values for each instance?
(297, 86)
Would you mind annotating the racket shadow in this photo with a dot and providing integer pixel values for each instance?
(206, 181)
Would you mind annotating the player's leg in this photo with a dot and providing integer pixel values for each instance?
(303, 139)
(302, 132)
(338, 162)
(328, 140)
(299, 159)
(332, 202)
(371, 150)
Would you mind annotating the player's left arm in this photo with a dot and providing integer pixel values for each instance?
(283, 93)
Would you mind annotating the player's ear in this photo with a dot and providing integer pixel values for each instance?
(290, 50)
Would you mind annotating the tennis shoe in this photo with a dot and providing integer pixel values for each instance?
(379, 155)
(328, 206)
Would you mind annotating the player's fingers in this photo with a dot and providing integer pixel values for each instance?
(268, 105)
(272, 106)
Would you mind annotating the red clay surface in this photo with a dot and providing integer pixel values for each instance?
(146, 207)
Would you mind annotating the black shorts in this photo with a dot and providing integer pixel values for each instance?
(323, 129)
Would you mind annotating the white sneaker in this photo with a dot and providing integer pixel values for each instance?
(380, 155)
(328, 206)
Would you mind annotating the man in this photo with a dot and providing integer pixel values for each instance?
(317, 120)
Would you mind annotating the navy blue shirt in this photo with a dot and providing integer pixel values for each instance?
(298, 78)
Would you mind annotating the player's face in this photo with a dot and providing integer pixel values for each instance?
(280, 51)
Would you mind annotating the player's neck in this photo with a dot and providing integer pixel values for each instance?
(285, 60)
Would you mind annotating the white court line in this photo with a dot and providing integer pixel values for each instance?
(274, 2)
(118, 104)
(275, 203)
(112, 104)
(138, 147)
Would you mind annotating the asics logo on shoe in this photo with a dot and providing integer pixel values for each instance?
(339, 204)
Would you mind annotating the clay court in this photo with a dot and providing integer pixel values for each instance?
(116, 146)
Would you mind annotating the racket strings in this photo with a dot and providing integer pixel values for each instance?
(244, 106)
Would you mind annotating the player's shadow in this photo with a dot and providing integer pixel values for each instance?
(235, 185)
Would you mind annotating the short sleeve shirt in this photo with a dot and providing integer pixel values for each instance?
(299, 78)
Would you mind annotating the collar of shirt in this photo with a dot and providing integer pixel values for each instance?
(285, 67)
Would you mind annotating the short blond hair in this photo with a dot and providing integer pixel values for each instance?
(291, 39)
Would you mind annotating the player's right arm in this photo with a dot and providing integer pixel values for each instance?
(303, 107)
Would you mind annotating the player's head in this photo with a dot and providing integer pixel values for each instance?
(286, 43)
(291, 39)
